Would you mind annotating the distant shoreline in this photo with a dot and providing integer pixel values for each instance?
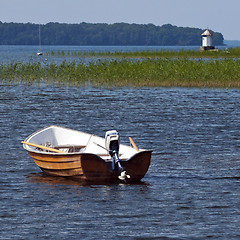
(99, 34)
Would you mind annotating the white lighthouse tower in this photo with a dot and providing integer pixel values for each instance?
(207, 40)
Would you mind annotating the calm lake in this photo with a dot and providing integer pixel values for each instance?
(29, 53)
(192, 188)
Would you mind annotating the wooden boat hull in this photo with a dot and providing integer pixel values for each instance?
(91, 167)
(64, 152)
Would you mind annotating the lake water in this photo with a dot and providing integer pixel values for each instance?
(28, 53)
(192, 188)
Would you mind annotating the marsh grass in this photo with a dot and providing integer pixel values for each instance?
(229, 53)
(168, 72)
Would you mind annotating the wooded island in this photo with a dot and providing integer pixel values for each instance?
(101, 34)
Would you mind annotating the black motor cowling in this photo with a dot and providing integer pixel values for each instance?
(112, 143)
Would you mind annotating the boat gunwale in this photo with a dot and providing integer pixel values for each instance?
(68, 153)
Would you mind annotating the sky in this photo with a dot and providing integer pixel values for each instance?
(218, 15)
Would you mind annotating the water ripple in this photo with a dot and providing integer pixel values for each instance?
(190, 192)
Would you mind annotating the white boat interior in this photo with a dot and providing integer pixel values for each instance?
(72, 141)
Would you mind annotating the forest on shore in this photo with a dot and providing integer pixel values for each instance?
(101, 34)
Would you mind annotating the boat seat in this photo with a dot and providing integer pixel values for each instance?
(70, 148)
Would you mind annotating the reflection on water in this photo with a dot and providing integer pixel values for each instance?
(51, 180)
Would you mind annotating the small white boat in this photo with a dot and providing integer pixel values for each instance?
(39, 53)
(60, 151)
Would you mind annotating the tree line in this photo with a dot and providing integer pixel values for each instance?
(102, 34)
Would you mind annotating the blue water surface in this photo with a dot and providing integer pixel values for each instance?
(192, 188)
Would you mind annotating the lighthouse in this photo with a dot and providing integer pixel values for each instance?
(207, 41)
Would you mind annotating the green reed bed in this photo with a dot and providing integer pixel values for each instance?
(162, 72)
(229, 53)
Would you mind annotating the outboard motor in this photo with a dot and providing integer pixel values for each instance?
(112, 143)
